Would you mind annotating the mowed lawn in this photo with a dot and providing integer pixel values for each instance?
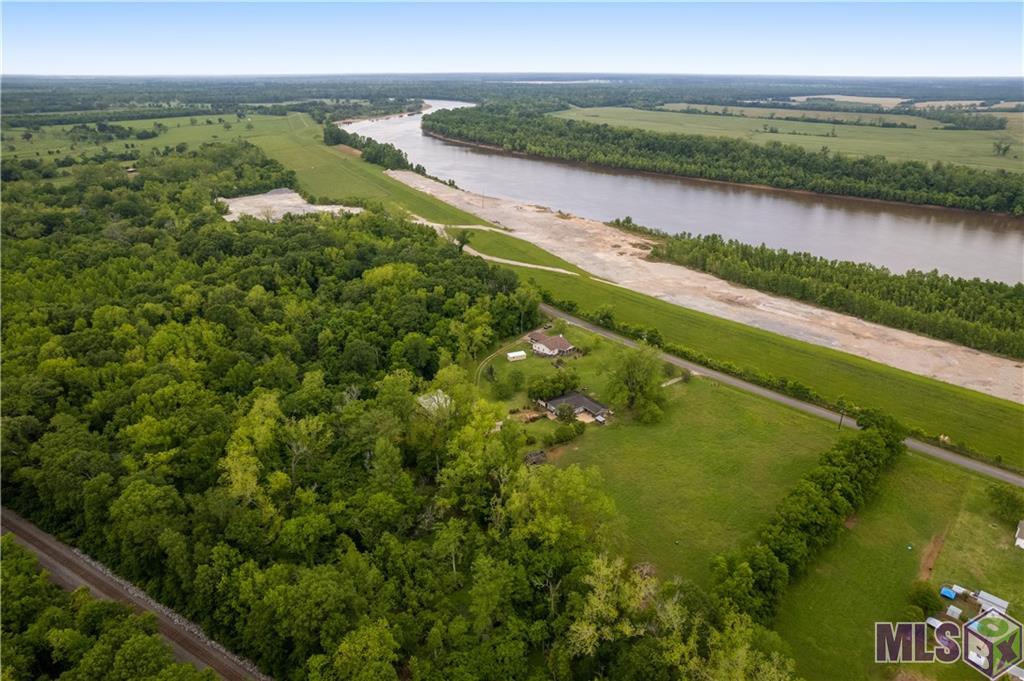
(295, 140)
(703, 480)
(987, 424)
(828, 614)
(930, 144)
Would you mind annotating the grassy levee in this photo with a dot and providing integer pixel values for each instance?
(923, 506)
(513, 248)
(295, 140)
(330, 173)
(924, 143)
(989, 425)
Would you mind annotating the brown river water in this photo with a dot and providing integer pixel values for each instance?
(897, 236)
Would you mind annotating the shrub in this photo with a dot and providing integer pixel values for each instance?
(926, 597)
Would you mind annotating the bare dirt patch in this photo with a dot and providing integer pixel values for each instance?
(348, 151)
(930, 555)
(851, 522)
(277, 203)
(556, 453)
(598, 249)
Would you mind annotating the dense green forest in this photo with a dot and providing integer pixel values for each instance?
(524, 128)
(322, 110)
(269, 428)
(50, 634)
(25, 94)
(986, 315)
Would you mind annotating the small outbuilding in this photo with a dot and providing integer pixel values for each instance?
(1019, 541)
(954, 612)
(946, 592)
(989, 602)
(516, 356)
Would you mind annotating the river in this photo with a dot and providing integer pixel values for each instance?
(900, 237)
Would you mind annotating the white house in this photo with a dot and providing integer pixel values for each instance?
(1020, 535)
(544, 344)
(516, 356)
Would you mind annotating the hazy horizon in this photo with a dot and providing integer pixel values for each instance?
(825, 40)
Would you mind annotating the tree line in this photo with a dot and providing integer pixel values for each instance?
(809, 518)
(269, 428)
(380, 153)
(985, 315)
(50, 634)
(879, 122)
(44, 94)
(524, 128)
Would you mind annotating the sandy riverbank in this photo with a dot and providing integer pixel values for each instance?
(619, 257)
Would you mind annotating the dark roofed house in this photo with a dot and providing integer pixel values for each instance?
(581, 405)
(544, 344)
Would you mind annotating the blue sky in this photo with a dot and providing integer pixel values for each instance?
(870, 39)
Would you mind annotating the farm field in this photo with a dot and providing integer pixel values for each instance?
(827, 616)
(295, 140)
(987, 424)
(967, 147)
(772, 112)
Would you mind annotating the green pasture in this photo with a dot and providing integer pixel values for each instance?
(703, 480)
(295, 140)
(828, 614)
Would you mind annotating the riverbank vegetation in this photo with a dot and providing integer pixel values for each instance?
(51, 634)
(984, 315)
(268, 427)
(897, 137)
(382, 154)
(525, 128)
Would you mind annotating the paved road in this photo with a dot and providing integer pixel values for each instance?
(912, 444)
(70, 570)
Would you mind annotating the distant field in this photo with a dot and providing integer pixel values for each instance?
(295, 140)
(770, 112)
(704, 480)
(968, 147)
(857, 99)
(827, 617)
